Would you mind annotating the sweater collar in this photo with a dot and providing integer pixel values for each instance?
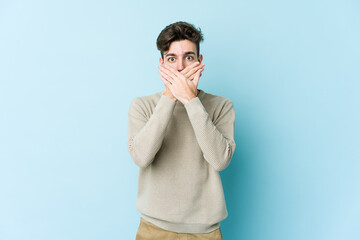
(200, 96)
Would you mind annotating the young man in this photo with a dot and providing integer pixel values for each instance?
(181, 138)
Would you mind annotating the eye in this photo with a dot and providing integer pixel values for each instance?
(189, 58)
(171, 59)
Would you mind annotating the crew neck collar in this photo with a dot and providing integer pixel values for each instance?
(201, 93)
(200, 96)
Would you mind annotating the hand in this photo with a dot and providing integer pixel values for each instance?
(190, 70)
(168, 93)
(179, 83)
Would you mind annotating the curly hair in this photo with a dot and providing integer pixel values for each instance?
(176, 32)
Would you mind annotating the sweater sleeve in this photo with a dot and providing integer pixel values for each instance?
(146, 134)
(216, 139)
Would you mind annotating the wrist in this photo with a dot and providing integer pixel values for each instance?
(189, 99)
(170, 96)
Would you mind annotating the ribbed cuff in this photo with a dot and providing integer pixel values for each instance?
(167, 97)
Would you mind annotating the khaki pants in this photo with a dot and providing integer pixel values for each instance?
(148, 231)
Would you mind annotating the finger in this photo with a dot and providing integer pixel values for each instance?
(165, 69)
(175, 72)
(197, 77)
(166, 76)
(191, 73)
(200, 74)
(165, 81)
(188, 68)
(167, 84)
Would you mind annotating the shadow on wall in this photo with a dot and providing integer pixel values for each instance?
(239, 181)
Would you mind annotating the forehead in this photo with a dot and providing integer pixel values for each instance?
(181, 47)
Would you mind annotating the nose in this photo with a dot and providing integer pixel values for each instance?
(180, 65)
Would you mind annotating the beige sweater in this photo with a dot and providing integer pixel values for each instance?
(180, 150)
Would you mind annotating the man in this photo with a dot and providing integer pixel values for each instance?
(181, 138)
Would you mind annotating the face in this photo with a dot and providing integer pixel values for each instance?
(180, 55)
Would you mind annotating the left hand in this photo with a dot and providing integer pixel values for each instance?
(181, 86)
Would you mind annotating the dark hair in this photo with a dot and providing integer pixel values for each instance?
(176, 32)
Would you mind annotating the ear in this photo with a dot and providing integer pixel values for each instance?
(161, 61)
(200, 58)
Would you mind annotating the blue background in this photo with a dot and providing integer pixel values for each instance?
(69, 70)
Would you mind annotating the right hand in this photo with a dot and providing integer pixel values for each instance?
(189, 72)
(167, 92)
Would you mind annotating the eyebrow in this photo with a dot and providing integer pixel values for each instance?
(173, 54)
